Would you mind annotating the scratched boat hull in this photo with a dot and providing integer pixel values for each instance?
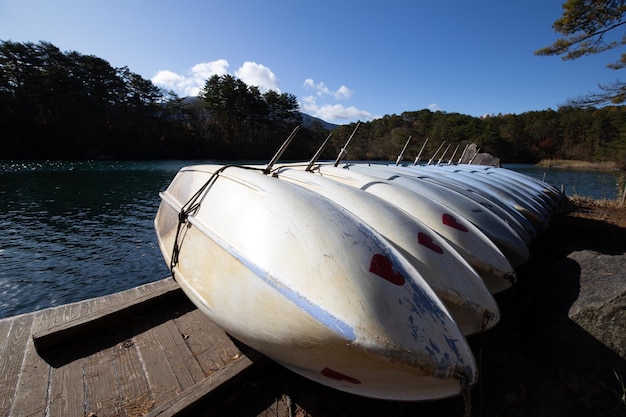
(548, 193)
(454, 281)
(529, 209)
(485, 199)
(472, 244)
(303, 281)
(513, 243)
(520, 195)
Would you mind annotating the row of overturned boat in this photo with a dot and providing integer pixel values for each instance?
(367, 278)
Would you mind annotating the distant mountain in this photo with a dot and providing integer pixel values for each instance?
(308, 121)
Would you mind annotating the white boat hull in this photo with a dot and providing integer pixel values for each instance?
(529, 209)
(454, 281)
(303, 281)
(513, 245)
(472, 244)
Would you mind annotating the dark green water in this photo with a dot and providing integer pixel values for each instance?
(72, 231)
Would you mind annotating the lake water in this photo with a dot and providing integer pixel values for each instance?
(76, 230)
(594, 184)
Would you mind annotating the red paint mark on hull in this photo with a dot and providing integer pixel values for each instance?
(449, 220)
(382, 266)
(338, 376)
(424, 239)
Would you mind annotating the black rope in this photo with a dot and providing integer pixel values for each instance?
(191, 207)
(466, 394)
(487, 317)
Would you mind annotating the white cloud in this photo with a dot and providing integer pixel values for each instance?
(206, 70)
(433, 107)
(258, 75)
(189, 85)
(341, 93)
(334, 113)
(193, 81)
(252, 73)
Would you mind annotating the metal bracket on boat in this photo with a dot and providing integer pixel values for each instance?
(281, 150)
(399, 159)
(463, 153)
(317, 155)
(443, 155)
(343, 150)
(430, 161)
(453, 154)
(419, 155)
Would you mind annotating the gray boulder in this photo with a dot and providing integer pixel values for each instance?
(600, 308)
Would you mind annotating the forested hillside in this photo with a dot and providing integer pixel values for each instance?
(65, 105)
(567, 133)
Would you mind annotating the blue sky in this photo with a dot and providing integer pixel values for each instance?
(343, 60)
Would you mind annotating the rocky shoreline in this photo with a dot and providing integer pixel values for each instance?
(564, 332)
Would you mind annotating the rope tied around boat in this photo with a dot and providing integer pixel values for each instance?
(465, 392)
(190, 208)
(463, 378)
(487, 317)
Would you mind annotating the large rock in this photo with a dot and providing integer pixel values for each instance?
(600, 308)
(472, 155)
(567, 319)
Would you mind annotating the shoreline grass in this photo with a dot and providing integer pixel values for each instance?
(579, 165)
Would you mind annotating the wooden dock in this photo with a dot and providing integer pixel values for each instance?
(145, 351)
(149, 351)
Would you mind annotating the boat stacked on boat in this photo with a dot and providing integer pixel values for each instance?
(365, 278)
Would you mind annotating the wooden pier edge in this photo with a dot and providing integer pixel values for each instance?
(47, 340)
(183, 403)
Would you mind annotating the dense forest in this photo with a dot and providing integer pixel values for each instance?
(66, 105)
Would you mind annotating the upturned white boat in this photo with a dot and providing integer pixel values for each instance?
(512, 243)
(454, 281)
(554, 197)
(472, 244)
(308, 284)
(486, 199)
(521, 195)
(487, 188)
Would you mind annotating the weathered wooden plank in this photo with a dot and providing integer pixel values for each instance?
(161, 379)
(101, 390)
(135, 364)
(238, 368)
(57, 335)
(5, 400)
(180, 357)
(5, 328)
(67, 396)
(31, 392)
(12, 357)
(134, 398)
(210, 346)
(53, 316)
